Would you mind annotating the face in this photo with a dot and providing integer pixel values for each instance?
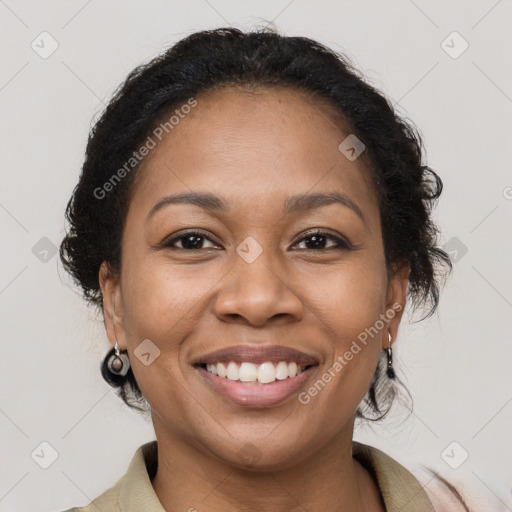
(264, 270)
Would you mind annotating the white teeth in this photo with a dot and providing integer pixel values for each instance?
(221, 369)
(281, 371)
(266, 373)
(249, 372)
(232, 373)
(212, 368)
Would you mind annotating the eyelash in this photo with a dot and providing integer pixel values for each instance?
(341, 244)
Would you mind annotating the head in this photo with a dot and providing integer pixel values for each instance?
(282, 233)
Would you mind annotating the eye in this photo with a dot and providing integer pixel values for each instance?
(319, 238)
(190, 240)
(314, 240)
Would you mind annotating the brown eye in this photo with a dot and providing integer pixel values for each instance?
(190, 240)
(317, 239)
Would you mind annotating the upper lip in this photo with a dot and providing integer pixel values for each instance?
(256, 355)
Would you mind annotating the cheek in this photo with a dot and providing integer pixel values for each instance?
(348, 307)
(165, 303)
(161, 301)
(348, 297)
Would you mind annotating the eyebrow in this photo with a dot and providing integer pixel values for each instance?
(299, 202)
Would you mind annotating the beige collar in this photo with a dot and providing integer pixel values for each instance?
(134, 492)
(400, 489)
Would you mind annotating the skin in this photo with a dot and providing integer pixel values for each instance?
(254, 149)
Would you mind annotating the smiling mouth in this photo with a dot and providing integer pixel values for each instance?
(256, 374)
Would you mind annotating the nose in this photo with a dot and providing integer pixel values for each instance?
(256, 293)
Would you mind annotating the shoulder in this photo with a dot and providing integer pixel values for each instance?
(135, 482)
(131, 488)
(106, 502)
(459, 496)
(399, 488)
(419, 491)
(446, 497)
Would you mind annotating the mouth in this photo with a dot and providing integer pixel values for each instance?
(256, 376)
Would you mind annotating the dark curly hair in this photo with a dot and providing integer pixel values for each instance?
(407, 189)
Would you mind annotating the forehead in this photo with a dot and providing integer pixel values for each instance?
(258, 144)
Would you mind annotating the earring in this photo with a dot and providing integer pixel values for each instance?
(390, 372)
(118, 363)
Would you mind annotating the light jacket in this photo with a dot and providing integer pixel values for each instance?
(133, 492)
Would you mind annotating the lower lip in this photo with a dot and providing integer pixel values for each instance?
(255, 394)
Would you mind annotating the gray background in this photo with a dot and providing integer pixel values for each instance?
(456, 365)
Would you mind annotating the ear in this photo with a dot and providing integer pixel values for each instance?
(112, 306)
(396, 299)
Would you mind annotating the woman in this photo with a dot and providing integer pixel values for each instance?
(252, 218)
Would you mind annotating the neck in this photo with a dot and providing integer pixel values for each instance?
(190, 478)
